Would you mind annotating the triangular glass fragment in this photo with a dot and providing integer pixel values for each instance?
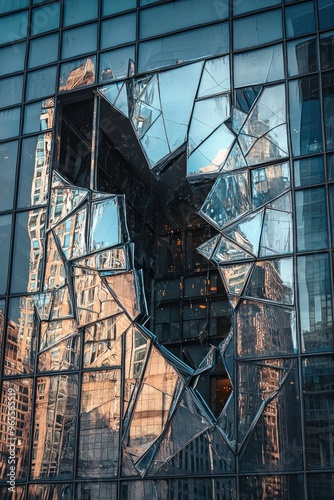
(279, 137)
(55, 331)
(71, 234)
(282, 203)
(264, 150)
(208, 247)
(121, 102)
(216, 77)
(235, 159)
(277, 235)
(124, 288)
(63, 202)
(269, 182)
(238, 119)
(110, 92)
(150, 94)
(131, 68)
(235, 276)
(246, 142)
(154, 142)
(43, 303)
(55, 272)
(226, 422)
(246, 97)
(64, 356)
(247, 232)
(62, 304)
(209, 362)
(227, 251)
(143, 117)
(234, 301)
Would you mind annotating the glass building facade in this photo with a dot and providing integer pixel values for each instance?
(166, 235)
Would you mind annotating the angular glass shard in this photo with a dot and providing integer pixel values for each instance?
(93, 298)
(215, 77)
(43, 303)
(128, 468)
(277, 432)
(54, 331)
(105, 230)
(207, 115)
(227, 251)
(177, 92)
(247, 232)
(143, 116)
(121, 102)
(228, 199)
(99, 424)
(78, 73)
(208, 247)
(238, 119)
(278, 323)
(235, 276)
(247, 71)
(111, 92)
(272, 280)
(55, 272)
(63, 202)
(62, 304)
(150, 94)
(264, 150)
(246, 97)
(62, 356)
(103, 342)
(235, 159)
(234, 301)
(246, 142)
(71, 234)
(277, 234)
(178, 436)
(154, 142)
(269, 182)
(211, 154)
(58, 180)
(282, 203)
(125, 289)
(108, 261)
(139, 85)
(209, 362)
(226, 350)
(57, 397)
(279, 137)
(226, 421)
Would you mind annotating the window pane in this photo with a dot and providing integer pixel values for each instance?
(8, 156)
(78, 11)
(300, 19)
(43, 50)
(12, 58)
(328, 93)
(115, 64)
(118, 30)
(326, 14)
(8, 5)
(247, 70)
(9, 123)
(79, 40)
(41, 83)
(177, 15)
(38, 116)
(258, 29)
(309, 171)
(311, 219)
(45, 18)
(305, 124)
(242, 7)
(302, 56)
(11, 91)
(327, 50)
(331, 201)
(115, 6)
(13, 27)
(175, 49)
(5, 230)
(78, 73)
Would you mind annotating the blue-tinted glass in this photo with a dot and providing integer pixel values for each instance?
(45, 18)
(13, 27)
(114, 6)
(78, 73)
(5, 230)
(258, 29)
(331, 202)
(9, 123)
(328, 95)
(326, 14)
(330, 167)
(118, 30)
(309, 171)
(302, 56)
(79, 41)
(9, 5)
(38, 116)
(11, 91)
(248, 71)
(240, 7)
(305, 123)
(327, 50)
(177, 15)
(299, 19)
(8, 156)
(114, 64)
(78, 11)
(312, 233)
(171, 50)
(12, 58)
(41, 83)
(43, 50)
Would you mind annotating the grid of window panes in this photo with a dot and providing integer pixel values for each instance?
(41, 44)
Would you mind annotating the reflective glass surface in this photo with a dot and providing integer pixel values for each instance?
(13, 27)
(78, 11)
(5, 232)
(299, 19)
(12, 58)
(113, 7)
(8, 5)
(115, 64)
(312, 232)
(257, 30)
(76, 74)
(41, 83)
(328, 100)
(8, 158)
(9, 122)
(302, 56)
(10, 91)
(309, 171)
(248, 72)
(242, 7)
(38, 116)
(45, 18)
(118, 30)
(326, 14)
(43, 50)
(79, 40)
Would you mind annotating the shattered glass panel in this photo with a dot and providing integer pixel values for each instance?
(99, 424)
(125, 289)
(76, 74)
(282, 203)
(63, 202)
(277, 235)
(54, 426)
(121, 102)
(62, 356)
(208, 247)
(143, 117)
(71, 234)
(248, 71)
(215, 77)
(228, 199)
(235, 277)
(235, 159)
(62, 304)
(227, 251)
(272, 280)
(55, 274)
(111, 92)
(247, 232)
(269, 182)
(264, 329)
(115, 64)
(43, 303)
(105, 231)
(54, 331)
(107, 262)
(155, 143)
